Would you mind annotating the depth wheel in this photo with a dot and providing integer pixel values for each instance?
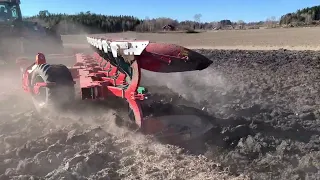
(57, 97)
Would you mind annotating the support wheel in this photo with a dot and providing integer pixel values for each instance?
(56, 97)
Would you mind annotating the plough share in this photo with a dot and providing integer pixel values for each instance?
(114, 69)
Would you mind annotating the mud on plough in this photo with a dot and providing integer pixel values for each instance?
(115, 70)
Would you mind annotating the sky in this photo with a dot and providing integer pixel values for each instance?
(211, 10)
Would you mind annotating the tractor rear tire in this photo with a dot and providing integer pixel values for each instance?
(56, 97)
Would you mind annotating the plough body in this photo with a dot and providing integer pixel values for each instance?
(114, 69)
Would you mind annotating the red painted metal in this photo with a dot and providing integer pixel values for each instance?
(161, 57)
(28, 87)
(40, 59)
(97, 83)
(26, 82)
(99, 79)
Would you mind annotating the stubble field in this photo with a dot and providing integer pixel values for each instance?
(262, 39)
(266, 102)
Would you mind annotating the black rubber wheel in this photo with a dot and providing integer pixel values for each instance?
(57, 97)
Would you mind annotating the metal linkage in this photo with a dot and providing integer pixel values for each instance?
(119, 47)
(156, 57)
(98, 81)
(115, 70)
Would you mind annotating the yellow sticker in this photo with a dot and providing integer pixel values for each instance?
(184, 52)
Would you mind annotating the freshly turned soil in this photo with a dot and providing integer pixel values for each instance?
(267, 106)
(264, 105)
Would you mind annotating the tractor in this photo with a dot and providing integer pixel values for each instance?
(114, 70)
(20, 38)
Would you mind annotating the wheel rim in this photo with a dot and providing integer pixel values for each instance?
(41, 97)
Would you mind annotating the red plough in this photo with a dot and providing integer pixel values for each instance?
(115, 70)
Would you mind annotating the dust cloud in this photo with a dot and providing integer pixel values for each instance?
(196, 86)
(265, 104)
(85, 143)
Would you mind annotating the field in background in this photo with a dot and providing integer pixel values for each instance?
(265, 103)
(261, 39)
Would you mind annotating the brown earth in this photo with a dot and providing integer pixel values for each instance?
(258, 39)
(265, 102)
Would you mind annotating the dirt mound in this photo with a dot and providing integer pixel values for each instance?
(265, 104)
(71, 147)
(85, 144)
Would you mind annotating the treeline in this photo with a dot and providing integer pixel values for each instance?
(87, 22)
(301, 17)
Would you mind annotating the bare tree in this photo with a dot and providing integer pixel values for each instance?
(148, 23)
(197, 18)
(307, 18)
(241, 22)
(271, 22)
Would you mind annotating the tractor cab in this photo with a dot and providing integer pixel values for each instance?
(10, 11)
(20, 37)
